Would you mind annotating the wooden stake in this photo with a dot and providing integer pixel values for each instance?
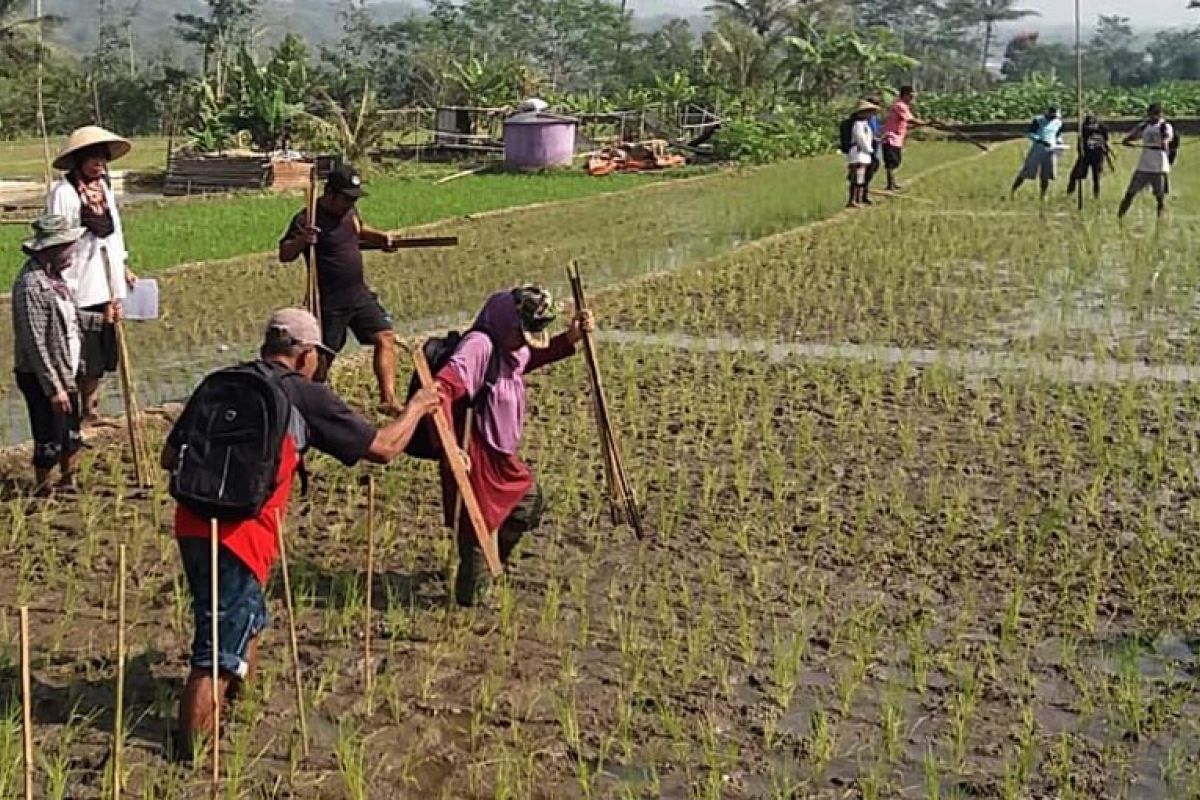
(128, 393)
(313, 296)
(26, 704)
(215, 609)
(291, 616)
(41, 101)
(119, 718)
(368, 668)
(445, 433)
(622, 500)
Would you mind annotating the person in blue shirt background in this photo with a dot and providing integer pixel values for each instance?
(1045, 137)
(876, 145)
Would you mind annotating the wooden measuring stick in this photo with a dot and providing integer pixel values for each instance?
(415, 242)
(128, 395)
(26, 704)
(368, 668)
(119, 717)
(214, 608)
(313, 296)
(445, 433)
(620, 490)
(291, 617)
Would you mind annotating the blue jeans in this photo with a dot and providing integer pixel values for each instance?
(242, 609)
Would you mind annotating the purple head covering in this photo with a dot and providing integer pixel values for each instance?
(502, 418)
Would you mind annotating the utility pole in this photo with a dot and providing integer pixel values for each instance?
(41, 103)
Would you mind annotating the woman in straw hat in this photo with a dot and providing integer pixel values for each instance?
(84, 197)
(48, 330)
(860, 153)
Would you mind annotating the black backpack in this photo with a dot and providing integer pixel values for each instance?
(231, 442)
(846, 135)
(438, 351)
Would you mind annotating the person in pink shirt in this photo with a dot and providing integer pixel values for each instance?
(895, 131)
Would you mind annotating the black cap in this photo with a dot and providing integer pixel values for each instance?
(344, 180)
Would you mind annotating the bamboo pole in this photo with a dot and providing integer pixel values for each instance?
(313, 293)
(295, 644)
(26, 704)
(215, 608)
(368, 668)
(119, 717)
(128, 392)
(622, 500)
(1079, 88)
(445, 433)
(466, 448)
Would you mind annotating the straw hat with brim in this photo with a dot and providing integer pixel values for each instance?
(89, 136)
(535, 307)
(51, 230)
(865, 105)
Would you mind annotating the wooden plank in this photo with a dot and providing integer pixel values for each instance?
(445, 434)
(415, 242)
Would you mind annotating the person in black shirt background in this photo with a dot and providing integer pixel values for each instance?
(1094, 154)
(347, 303)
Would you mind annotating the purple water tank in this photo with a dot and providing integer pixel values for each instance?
(538, 140)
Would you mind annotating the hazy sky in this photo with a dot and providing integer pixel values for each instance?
(1143, 13)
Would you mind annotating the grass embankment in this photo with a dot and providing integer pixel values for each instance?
(162, 235)
(23, 158)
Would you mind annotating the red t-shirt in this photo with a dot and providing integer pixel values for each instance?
(320, 419)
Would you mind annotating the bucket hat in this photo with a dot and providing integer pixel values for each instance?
(535, 307)
(51, 230)
(85, 137)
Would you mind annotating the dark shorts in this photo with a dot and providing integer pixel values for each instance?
(99, 352)
(55, 436)
(1156, 182)
(892, 156)
(366, 319)
(242, 613)
(1087, 164)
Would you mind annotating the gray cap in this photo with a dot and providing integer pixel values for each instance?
(295, 326)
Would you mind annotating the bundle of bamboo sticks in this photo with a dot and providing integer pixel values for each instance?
(143, 471)
(622, 501)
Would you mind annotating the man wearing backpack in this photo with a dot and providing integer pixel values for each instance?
(347, 304)
(857, 143)
(1156, 137)
(232, 455)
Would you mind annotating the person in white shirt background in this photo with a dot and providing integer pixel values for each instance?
(860, 154)
(1153, 169)
(85, 198)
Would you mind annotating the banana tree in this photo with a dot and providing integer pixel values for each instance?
(828, 63)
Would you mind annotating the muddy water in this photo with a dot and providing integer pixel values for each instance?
(212, 314)
(971, 362)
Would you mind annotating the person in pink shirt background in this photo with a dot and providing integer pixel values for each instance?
(895, 131)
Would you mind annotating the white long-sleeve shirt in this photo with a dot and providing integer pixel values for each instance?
(86, 275)
(861, 143)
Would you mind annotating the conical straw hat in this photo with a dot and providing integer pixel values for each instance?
(865, 105)
(87, 136)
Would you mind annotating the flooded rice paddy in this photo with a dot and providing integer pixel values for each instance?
(923, 508)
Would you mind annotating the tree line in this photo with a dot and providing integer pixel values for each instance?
(772, 67)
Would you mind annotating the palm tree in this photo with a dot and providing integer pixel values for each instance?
(988, 13)
(764, 17)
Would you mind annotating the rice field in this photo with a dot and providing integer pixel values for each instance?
(921, 487)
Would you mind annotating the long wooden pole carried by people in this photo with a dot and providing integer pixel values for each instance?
(622, 500)
(142, 475)
(445, 433)
(946, 127)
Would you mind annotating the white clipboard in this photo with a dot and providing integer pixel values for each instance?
(141, 303)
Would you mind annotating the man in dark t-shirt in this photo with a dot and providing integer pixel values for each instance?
(339, 237)
(249, 547)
